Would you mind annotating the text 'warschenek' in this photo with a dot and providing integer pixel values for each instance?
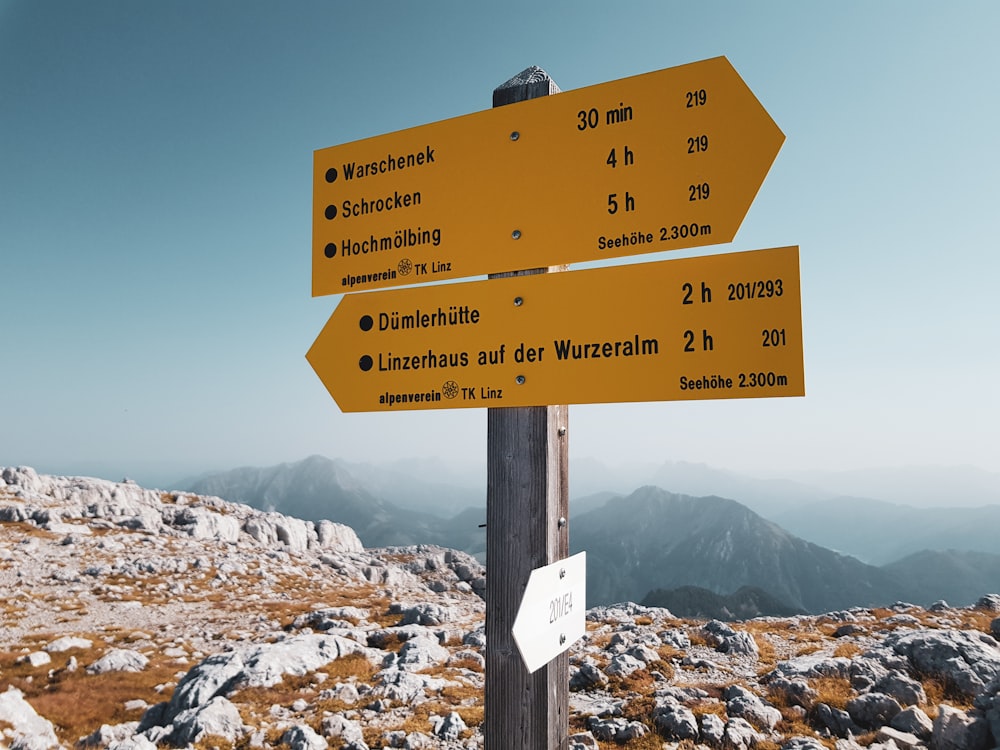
(358, 170)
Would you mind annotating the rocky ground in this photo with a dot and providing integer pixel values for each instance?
(133, 618)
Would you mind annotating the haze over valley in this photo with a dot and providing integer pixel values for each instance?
(719, 531)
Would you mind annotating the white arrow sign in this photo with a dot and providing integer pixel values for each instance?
(552, 615)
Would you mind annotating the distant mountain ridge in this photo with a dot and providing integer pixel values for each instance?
(879, 532)
(318, 488)
(745, 603)
(654, 539)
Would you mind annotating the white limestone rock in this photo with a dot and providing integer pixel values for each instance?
(27, 730)
(302, 737)
(218, 717)
(338, 537)
(119, 660)
(67, 643)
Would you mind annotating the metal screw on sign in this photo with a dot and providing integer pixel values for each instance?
(515, 135)
(516, 234)
(519, 379)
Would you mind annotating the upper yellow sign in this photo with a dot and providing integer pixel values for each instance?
(721, 326)
(660, 161)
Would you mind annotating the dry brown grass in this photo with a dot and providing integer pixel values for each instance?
(285, 693)
(78, 703)
(472, 665)
(941, 691)
(464, 700)
(28, 529)
(833, 691)
(669, 653)
(600, 640)
(640, 681)
(978, 620)
(768, 658)
(698, 638)
(213, 742)
(701, 708)
(809, 648)
(652, 741)
(847, 649)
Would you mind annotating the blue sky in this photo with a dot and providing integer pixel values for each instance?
(155, 199)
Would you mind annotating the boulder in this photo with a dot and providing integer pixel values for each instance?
(802, 743)
(119, 660)
(67, 643)
(957, 730)
(262, 665)
(583, 741)
(341, 728)
(675, 721)
(136, 742)
(989, 703)
(744, 704)
(873, 710)
(426, 613)
(338, 537)
(742, 643)
(27, 730)
(713, 729)
(740, 735)
(38, 659)
(218, 717)
(406, 687)
(988, 603)
(277, 530)
(216, 675)
(913, 720)
(302, 737)
(109, 734)
(812, 665)
(838, 722)
(617, 730)
(202, 523)
(624, 665)
(902, 740)
(449, 727)
(906, 690)
(587, 676)
(965, 659)
(421, 652)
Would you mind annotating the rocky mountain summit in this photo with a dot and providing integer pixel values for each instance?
(133, 618)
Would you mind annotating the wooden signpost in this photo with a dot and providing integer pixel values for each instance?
(661, 161)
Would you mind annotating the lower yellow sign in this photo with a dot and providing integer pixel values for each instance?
(720, 326)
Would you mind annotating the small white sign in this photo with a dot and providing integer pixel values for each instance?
(553, 611)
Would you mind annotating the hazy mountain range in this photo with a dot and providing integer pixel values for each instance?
(692, 526)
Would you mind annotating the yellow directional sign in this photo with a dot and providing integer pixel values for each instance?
(659, 161)
(721, 326)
